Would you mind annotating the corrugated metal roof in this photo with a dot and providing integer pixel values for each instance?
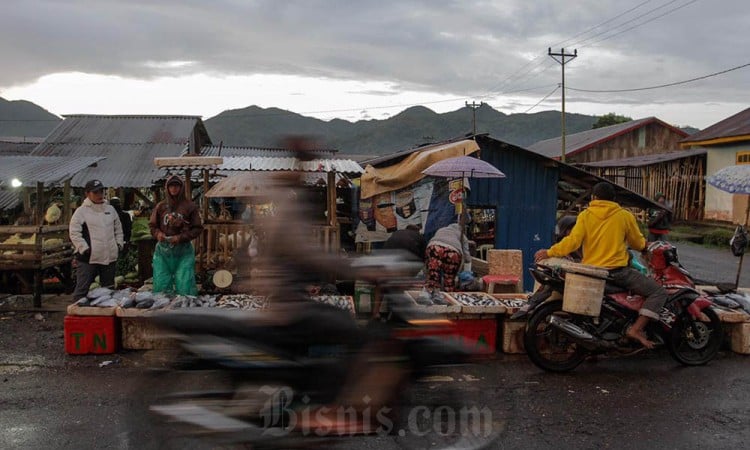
(733, 126)
(215, 150)
(50, 170)
(130, 144)
(579, 142)
(9, 199)
(645, 160)
(265, 163)
(268, 163)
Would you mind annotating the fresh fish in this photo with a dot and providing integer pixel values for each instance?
(160, 302)
(742, 299)
(127, 302)
(143, 296)
(98, 292)
(725, 301)
(99, 300)
(85, 301)
(145, 304)
(107, 302)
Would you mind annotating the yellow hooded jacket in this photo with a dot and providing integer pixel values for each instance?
(605, 230)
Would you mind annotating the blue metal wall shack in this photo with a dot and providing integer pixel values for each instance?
(525, 201)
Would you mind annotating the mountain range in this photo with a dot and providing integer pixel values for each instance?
(265, 127)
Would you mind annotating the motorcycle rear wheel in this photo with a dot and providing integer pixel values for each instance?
(693, 349)
(548, 348)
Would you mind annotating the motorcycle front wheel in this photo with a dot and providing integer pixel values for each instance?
(549, 348)
(693, 342)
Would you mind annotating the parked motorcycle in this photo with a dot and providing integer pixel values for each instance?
(558, 341)
(242, 378)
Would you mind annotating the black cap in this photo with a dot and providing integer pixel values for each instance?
(94, 185)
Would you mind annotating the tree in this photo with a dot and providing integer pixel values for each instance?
(610, 119)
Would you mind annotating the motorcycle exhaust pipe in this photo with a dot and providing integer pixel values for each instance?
(579, 335)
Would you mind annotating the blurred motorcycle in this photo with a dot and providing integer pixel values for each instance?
(246, 377)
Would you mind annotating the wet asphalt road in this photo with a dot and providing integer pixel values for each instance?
(52, 400)
(644, 401)
(711, 266)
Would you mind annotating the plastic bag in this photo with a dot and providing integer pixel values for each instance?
(739, 241)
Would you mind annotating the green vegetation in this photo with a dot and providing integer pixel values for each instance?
(705, 234)
(610, 119)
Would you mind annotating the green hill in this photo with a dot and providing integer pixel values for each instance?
(255, 126)
(20, 118)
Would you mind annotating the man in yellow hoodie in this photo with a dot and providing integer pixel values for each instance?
(604, 231)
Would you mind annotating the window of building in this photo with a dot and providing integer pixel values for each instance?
(743, 158)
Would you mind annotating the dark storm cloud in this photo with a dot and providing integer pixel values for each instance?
(451, 47)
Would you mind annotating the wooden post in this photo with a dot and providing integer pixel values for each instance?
(188, 187)
(67, 211)
(39, 211)
(333, 221)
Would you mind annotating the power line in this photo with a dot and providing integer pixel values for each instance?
(543, 99)
(516, 73)
(581, 42)
(644, 22)
(599, 25)
(676, 83)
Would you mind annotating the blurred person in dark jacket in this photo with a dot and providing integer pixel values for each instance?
(409, 239)
(125, 220)
(659, 220)
(175, 222)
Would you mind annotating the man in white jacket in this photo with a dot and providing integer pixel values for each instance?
(96, 233)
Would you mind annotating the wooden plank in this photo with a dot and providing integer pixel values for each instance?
(11, 229)
(196, 161)
(139, 333)
(740, 340)
(75, 310)
(513, 332)
(732, 316)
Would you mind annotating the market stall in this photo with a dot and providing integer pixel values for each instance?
(41, 245)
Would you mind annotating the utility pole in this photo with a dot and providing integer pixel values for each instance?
(562, 61)
(474, 105)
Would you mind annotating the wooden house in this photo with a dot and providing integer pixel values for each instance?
(726, 143)
(641, 155)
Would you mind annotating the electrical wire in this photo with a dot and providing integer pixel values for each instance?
(543, 99)
(643, 23)
(601, 24)
(676, 83)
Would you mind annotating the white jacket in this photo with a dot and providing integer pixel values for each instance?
(105, 231)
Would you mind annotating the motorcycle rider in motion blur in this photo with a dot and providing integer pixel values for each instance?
(289, 263)
(604, 230)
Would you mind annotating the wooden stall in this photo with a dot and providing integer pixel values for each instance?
(26, 252)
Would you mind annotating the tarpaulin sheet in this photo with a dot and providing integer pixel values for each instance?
(409, 171)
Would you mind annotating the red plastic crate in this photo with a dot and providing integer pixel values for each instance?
(90, 334)
(477, 335)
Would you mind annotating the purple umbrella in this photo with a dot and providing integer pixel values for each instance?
(463, 166)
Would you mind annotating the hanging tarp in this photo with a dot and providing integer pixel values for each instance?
(387, 179)
(426, 204)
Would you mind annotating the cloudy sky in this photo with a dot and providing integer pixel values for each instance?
(372, 59)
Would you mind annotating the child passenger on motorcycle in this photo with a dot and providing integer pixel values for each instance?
(604, 231)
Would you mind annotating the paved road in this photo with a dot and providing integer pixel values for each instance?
(50, 400)
(712, 265)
